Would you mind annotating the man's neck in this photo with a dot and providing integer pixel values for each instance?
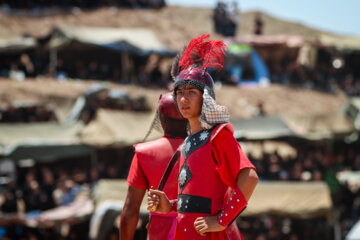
(195, 125)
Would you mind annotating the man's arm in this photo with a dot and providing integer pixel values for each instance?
(130, 215)
(247, 180)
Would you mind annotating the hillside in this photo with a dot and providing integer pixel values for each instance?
(242, 102)
(174, 26)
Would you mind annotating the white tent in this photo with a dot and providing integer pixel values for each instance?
(143, 40)
(118, 128)
(42, 141)
(16, 43)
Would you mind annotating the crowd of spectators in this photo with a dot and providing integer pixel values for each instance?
(44, 187)
(21, 67)
(26, 114)
(278, 228)
(43, 113)
(47, 186)
(312, 163)
(146, 73)
(323, 77)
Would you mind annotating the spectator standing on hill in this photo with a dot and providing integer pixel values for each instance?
(258, 25)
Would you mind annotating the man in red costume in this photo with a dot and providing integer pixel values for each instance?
(147, 167)
(216, 179)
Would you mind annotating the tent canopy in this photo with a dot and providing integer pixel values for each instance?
(39, 133)
(261, 128)
(41, 140)
(319, 127)
(138, 40)
(296, 41)
(118, 128)
(288, 199)
(340, 42)
(17, 43)
(291, 41)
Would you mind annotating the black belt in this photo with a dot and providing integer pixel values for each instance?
(193, 204)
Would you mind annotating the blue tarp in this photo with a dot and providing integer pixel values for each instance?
(248, 59)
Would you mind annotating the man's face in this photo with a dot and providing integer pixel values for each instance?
(189, 100)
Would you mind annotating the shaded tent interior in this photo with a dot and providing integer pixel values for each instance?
(12, 47)
(116, 52)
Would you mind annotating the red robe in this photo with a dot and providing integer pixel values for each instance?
(147, 167)
(209, 164)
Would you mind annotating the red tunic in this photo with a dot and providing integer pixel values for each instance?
(147, 167)
(209, 165)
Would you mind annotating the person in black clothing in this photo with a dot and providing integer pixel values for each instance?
(11, 196)
(258, 25)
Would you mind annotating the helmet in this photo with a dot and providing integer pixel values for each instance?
(197, 77)
(167, 106)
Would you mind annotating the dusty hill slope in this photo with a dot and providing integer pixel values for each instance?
(175, 26)
(242, 102)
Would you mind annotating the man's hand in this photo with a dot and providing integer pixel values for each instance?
(207, 224)
(158, 200)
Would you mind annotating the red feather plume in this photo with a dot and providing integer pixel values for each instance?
(203, 53)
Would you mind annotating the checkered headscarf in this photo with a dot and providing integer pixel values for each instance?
(212, 113)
